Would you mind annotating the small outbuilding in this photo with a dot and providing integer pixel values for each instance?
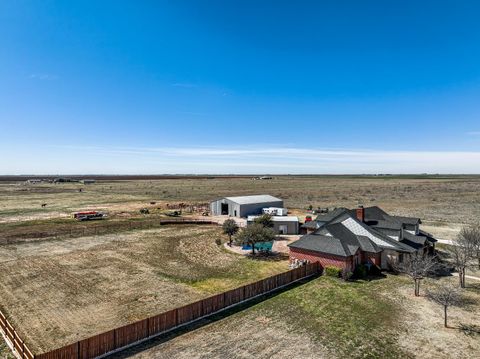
(281, 224)
(243, 206)
(88, 181)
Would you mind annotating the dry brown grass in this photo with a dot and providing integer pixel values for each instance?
(57, 292)
(444, 204)
(434, 199)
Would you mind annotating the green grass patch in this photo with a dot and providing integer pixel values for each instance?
(351, 318)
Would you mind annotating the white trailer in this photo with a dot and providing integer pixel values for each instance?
(275, 211)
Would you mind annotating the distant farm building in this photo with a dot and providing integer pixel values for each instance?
(243, 206)
(64, 180)
(281, 224)
(33, 181)
(88, 181)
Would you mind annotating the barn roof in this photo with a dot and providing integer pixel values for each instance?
(263, 198)
(276, 218)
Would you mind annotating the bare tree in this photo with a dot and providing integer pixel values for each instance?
(471, 235)
(461, 251)
(417, 267)
(446, 295)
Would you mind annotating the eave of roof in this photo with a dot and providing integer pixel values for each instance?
(321, 244)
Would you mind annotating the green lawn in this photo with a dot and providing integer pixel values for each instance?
(354, 319)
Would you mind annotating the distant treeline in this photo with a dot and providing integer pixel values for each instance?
(190, 176)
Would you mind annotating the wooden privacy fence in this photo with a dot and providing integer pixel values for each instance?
(123, 337)
(13, 340)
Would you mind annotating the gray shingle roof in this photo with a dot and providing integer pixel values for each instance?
(414, 241)
(389, 242)
(375, 213)
(327, 217)
(367, 245)
(387, 224)
(376, 230)
(335, 239)
(408, 220)
(322, 244)
(428, 235)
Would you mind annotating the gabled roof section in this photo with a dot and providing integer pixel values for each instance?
(329, 216)
(367, 245)
(408, 220)
(373, 213)
(262, 198)
(377, 227)
(381, 240)
(429, 236)
(384, 220)
(414, 241)
(387, 224)
(323, 244)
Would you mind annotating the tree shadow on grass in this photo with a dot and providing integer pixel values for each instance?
(268, 256)
(470, 329)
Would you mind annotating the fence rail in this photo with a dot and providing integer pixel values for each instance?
(94, 228)
(120, 338)
(13, 340)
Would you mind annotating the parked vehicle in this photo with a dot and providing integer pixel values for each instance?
(89, 215)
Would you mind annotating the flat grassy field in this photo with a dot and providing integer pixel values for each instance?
(451, 199)
(328, 318)
(56, 292)
(444, 203)
(62, 280)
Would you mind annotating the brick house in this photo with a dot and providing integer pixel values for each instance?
(345, 238)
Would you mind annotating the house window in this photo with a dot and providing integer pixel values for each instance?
(400, 258)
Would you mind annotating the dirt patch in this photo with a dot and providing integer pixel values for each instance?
(246, 335)
(424, 334)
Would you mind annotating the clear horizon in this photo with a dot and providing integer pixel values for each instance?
(240, 87)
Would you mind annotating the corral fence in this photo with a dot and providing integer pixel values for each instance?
(121, 338)
(94, 228)
(13, 340)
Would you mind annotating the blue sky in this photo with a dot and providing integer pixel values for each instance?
(239, 87)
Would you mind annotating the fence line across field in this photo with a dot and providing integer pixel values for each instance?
(112, 341)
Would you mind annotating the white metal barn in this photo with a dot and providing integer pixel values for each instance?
(243, 206)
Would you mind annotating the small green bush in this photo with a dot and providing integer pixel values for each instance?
(218, 241)
(332, 271)
(347, 275)
(360, 271)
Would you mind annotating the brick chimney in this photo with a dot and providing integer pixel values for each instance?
(360, 211)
